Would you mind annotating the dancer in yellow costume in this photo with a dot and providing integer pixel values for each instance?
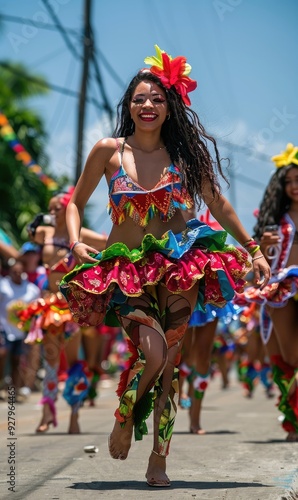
(277, 231)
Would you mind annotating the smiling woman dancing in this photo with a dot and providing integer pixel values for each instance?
(160, 261)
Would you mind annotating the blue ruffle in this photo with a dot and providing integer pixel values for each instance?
(227, 314)
(198, 235)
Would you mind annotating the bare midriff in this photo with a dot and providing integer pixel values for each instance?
(132, 234)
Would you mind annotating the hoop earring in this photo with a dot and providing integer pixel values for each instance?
(168, 117)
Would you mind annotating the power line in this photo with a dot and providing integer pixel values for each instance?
(51, 86)
(51, 55)
(44, 26)
(247, 180)
(60, 106)
(88, 42)
(98, 77)
(109, 68)
(106, 105)
(62, 30)
(244, 149)
(70, 31)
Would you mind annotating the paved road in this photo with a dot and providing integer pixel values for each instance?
(243, 456)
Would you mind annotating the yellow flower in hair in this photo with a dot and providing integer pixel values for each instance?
(158, 61)
(290, 155)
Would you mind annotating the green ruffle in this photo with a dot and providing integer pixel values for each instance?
(149, 243)
(142, 412)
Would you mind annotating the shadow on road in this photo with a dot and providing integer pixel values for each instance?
(138, 485)
(269, 441)
(223, 431)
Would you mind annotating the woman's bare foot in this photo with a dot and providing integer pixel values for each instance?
(47, 419)
(195, 412)
(120, 439)
(197, 429)
(74, 427)
(292, 437)
(247, 393)
(156, 471)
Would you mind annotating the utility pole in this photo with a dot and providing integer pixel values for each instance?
(87, 54)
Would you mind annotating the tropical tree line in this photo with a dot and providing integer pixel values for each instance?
(22, 194)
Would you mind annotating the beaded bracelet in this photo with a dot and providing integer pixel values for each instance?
(251, 246)
(73, 244)
(258, 257)
(247, 242)
(250, 243)
(253, 250)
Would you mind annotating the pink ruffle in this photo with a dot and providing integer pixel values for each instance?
(91, 290)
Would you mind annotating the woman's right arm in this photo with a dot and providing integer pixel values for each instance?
(96, 165)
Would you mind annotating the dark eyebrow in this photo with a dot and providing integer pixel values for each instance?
(154, 94)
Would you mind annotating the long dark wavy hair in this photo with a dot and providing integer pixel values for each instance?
(275, 202)
(183, 135)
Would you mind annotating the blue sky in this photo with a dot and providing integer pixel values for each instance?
(243, 54)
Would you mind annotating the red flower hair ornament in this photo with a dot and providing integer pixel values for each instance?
(65, 197)
(172, 73)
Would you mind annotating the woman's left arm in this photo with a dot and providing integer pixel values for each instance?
(222, 210)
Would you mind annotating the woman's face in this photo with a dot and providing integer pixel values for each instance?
(291, 184)
(56, 209)
(148, 107)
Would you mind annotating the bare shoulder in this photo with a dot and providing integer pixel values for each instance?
(103, 155)
(105, 147)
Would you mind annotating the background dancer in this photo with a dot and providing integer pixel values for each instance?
(52, 322)
(276, 229)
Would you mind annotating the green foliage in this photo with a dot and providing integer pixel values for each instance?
(18, 84)
(22, 194)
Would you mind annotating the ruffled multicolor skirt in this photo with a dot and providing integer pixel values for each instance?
(282, 286)
(49, 314)
(177, 261)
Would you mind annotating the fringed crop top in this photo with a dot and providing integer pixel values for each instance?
(128, 199)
